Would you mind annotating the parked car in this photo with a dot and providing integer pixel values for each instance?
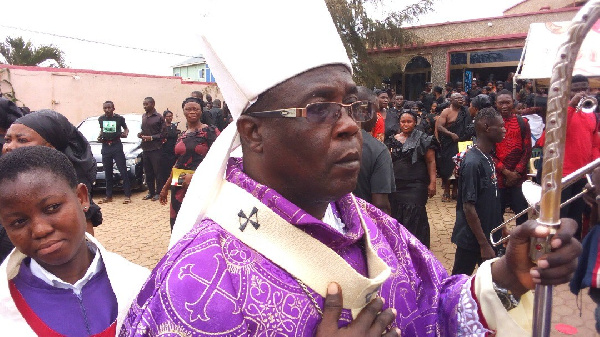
(90, 128)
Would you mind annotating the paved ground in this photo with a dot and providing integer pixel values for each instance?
(140, 232)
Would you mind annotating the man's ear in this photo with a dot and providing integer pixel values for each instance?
(250, 129)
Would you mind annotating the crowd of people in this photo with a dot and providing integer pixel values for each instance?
(274, 242)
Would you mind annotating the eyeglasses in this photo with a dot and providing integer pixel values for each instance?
(324, 112)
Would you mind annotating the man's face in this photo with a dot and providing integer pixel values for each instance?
(457, 100)
(399, 101)
(499, 86)
(308, 162)
(383, 100)
(496, 130)
(148, 105)
(504, 105)
(109, 109)
(428, 86)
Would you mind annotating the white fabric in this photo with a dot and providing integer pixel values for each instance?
(333, 220)
(298, 253)
(469, 322)
(517, 322)
(250, 47)
(126, 280)
(536, 124)
(46, 276)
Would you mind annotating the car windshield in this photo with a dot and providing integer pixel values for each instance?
(90, 128)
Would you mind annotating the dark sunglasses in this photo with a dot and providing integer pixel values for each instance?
(324, 112)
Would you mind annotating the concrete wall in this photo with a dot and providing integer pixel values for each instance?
(79, 94)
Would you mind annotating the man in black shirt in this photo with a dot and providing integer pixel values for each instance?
(153, 132)
(478, 209)
(112, 129)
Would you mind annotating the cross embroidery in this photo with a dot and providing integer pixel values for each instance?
(248, 219)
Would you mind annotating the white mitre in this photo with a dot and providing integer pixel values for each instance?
(250, 47)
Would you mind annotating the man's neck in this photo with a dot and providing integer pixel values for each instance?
(485, 145)
(150, 112)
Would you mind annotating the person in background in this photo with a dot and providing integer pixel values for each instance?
(217, 115)
(451, 127)
(168, 147)
(50, 128)
(378, 131)
(512, 156)
(112, 129)
(449, 90)
(200, 96)
(413, 158)
(582, 146)
(190, 149)
(152, 135)
(9, 113)
(59, 281)
(427, 96)
(376, 177)
(392, 117)
(478, 205)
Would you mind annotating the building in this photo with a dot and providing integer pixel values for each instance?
(194, 69)
(484, 49)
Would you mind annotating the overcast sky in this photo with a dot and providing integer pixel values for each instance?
(166, 26)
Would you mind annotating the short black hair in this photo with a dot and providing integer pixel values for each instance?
(438, 89)
(37, 158)
(109, 102)
(481, 101)
(199, 93)
(486, 115)
(191, 99)
(167, 112)
(379, 92)
(149, 99)
(505, 92)
(579, 78)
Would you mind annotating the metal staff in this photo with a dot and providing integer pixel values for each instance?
(554, 148)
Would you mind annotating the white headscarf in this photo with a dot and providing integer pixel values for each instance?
(250, 47)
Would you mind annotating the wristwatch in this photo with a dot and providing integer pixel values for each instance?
(508, 300)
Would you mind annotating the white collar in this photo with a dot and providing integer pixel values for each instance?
(94, 268)
(331, 219)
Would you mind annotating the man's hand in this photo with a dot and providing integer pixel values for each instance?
(576, 99)
(487, 252)
(454, 137)
(516, 272)
(371, 321)
(512, 178)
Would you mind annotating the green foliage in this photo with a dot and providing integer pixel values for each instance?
(361, 32)
(18, 52)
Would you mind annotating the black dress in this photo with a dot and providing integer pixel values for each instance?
(412, 179)
(168, 153)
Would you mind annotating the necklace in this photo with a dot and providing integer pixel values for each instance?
(492, 167)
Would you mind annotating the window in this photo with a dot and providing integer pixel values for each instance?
(201, 73)
(505, 55)
(458, 58)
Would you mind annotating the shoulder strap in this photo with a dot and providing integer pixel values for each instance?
(521, 126)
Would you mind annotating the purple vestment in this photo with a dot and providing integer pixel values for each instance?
(210, 283)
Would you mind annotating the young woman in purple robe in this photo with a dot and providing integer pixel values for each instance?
(59, 281)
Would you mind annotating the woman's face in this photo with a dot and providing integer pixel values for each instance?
(19, 135)
(407, 123)
(192, 112)
(433, 107)
(415, 109)
(169, 118)
(383, 100)
(44, 218)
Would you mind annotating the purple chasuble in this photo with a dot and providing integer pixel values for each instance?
(210, 283)
(62, 310)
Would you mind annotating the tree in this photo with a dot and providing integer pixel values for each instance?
(18, 52)
(360, 32)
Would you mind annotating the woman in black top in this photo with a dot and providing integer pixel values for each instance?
(168, 148)
(413, 159)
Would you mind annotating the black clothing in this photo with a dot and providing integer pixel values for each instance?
(114, 152)
(111, 128)
(465, 261)
(412, 179)
(575, 209)
(477, 185)
(392, 122)
(449, 148)
(154, 125)
(376, 174)
(9, 112)
(168, 154)
(427, 100)
(513, 197)
(151, 168)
